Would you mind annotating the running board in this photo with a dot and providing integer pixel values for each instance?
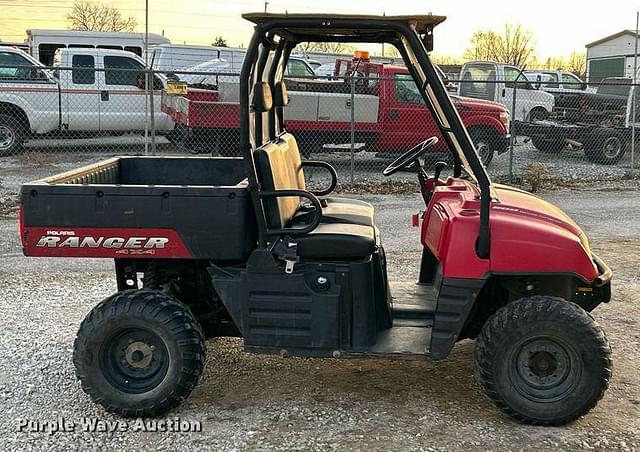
(403, 341)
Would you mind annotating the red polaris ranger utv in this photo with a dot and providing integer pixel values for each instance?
(239, 247)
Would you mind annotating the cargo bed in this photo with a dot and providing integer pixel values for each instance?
(142, 207)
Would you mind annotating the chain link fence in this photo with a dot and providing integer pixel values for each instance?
(66, 115)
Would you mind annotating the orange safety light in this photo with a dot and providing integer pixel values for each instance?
(361, 55)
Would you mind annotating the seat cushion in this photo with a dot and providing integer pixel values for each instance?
(337, 241)
(340, 210)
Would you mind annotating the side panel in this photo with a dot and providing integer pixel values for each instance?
(212, 223)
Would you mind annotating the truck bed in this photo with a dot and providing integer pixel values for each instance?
(141, 207)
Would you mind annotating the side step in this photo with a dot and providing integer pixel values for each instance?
(402, 340)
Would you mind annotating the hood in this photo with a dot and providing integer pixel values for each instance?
(460, 101)
(525, 203)
(531, 235)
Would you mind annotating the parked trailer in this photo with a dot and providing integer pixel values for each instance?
(599, 123)
(44, 43)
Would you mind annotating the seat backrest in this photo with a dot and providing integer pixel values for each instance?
(294, 159)
(275, 173)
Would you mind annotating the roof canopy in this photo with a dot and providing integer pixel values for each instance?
(341, 27)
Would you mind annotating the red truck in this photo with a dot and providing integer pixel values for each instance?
(389, 114)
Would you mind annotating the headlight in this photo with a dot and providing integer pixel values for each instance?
(505, 119)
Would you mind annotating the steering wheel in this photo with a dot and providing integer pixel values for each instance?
(409, 157)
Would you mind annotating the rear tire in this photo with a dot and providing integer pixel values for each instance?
(543, 360)
(11, 136)
(139, 353)
(605, 146)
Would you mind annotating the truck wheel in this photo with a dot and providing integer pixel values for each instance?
(543, 360)
(139, 353)
(11, 136)
(538, 114)
(548, 145)
(605, 146)
(482, 140)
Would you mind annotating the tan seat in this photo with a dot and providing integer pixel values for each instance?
(335, 240)
(335, 210)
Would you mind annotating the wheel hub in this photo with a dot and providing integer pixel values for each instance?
(7, 137)
(545, 369)
(134, 360)
(139, 355)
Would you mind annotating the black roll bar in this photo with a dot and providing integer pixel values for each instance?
(397, 30)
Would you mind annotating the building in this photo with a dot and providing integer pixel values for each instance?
(612, 56)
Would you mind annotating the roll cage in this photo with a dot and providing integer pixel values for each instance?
(274, 38)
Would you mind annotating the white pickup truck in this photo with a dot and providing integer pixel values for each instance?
(102, 92)
(495, 81)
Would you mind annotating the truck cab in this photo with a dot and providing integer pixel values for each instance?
(105, 91)
(87, 90)
(496, 81)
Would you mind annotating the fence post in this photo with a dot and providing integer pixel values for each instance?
(633, 94)
(353, 125)
(150, 87)
(512, 133)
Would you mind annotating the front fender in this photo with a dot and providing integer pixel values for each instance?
(486, 121)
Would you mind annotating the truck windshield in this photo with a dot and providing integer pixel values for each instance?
(478, 81)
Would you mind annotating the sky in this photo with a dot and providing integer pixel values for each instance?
(559, 27)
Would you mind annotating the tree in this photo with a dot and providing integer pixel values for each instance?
(577, 63)
(219, 41)
(326, 47)
(513, 46)
(91, 16)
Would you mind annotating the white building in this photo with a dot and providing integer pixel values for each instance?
(611, 56)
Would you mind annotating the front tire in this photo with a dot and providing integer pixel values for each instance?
(483, 142)
(139, 353)
(11, 136)
(543, 361)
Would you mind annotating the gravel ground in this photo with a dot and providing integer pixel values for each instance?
(249, 402)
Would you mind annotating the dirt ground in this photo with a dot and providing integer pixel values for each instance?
(249, 402)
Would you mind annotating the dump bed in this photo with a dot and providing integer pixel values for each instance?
(141, 207)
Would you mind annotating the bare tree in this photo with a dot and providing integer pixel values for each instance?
(92, 16)
(513, 46)
(219, 41)
(326, 47)
(444, 59)
(577, 63)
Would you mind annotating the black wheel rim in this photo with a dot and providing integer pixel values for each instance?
(545, 368)
(612, 147)
(134, 360)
